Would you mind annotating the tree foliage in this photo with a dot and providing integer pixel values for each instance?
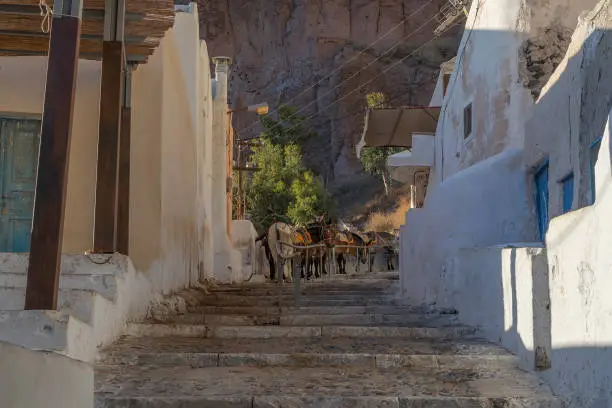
(374, 159)
(283, 189)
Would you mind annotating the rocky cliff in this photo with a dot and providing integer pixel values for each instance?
(300, 52)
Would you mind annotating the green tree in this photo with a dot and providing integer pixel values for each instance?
(374, 159)
(282, 189)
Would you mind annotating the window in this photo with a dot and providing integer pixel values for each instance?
(593, 154)
(467, 121)
(568, 192)
(541, 187)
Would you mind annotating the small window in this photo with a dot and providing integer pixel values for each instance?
(467, 121)
(568, 192)
(593, 154)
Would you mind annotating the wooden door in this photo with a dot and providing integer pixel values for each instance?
(19, 146)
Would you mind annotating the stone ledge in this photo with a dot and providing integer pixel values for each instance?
(384, 361)
(323, 402)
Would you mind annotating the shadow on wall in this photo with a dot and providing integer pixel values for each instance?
(514, 309)
(549, 305)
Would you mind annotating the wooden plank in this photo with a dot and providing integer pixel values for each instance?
(31, 24)
(27, 43)
(123, 207)
(52, 181)
(108, 145)
(162, 7)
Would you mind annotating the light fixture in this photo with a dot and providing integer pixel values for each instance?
(260, 108)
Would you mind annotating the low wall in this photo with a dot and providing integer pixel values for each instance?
(580, 280)
(31, 379)
(484, 205)
(243, 240)
(504, 292)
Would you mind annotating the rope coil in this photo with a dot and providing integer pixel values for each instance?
(46, 12)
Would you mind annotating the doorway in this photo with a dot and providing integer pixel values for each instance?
(19, 146)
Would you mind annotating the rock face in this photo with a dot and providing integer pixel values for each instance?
(315, 55)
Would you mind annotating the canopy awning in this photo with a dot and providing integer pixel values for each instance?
(395, 127)
(146, 24)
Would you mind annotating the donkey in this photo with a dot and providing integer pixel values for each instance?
(346, 243)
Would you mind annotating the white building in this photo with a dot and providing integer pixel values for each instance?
(177, 235)
(513, 231)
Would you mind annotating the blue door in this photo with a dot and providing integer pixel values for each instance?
(541, 184)
(19, 144)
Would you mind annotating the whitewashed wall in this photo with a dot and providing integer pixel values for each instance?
(481, 206)
(581, 306)
(31, 379)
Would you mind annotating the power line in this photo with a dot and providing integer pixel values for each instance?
(397, 43)
(377, 76)
(361, 110)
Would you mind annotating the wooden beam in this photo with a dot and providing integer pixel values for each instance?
(50, 205)
(123, 207)
(113, 63)
(108, 145)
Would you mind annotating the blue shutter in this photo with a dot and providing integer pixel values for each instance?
(541, 184)
(568, 193)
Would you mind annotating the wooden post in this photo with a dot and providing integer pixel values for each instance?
(105, 231)
(52, 180)
(123, 206)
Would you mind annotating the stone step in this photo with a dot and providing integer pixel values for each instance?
(186, 387)
(45, 330)
(259, 332)
(310, 319)
(76, 302)
(318, 351)
(353, 295)
(313, 310)
(105, 285)
(331, 284)
(315, 292)
(290, 301)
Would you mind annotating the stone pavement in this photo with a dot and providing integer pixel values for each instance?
(347, 345)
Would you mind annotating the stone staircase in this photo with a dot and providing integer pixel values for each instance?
(346, 344)
(97, 294)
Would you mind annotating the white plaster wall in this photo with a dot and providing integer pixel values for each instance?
(493, 289)
(573, 108)
(205, 220)
(580, 263)
(42, 379)
(227, 261)
(173, 117)
(483, 205)
(22, 89)
(488, 75)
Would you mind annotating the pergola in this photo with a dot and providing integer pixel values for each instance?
(146, 22)
(121, 34)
